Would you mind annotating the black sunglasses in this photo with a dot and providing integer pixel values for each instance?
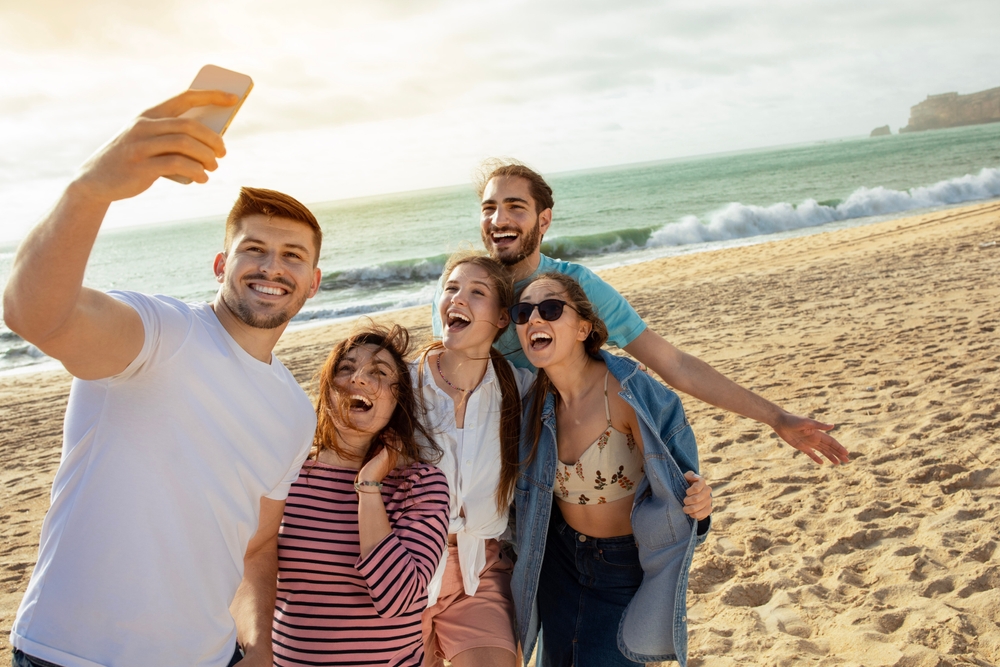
(550, 310)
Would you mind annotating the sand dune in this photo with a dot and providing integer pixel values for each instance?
(889, 331)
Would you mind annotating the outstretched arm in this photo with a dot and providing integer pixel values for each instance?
(45, 302)
(693, 376)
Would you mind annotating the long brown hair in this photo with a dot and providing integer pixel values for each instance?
(407, 418)
(542, 386)
(510, 396)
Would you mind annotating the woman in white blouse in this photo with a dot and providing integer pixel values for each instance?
(472, 396)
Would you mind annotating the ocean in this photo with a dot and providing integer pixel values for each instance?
(385, 252)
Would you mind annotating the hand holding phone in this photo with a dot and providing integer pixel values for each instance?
(217, 118)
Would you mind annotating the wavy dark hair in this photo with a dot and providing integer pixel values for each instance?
(492, 168)
(510, 401)
(407, 418)
(542, 386)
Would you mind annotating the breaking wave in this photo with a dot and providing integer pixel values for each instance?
(744, 220)
(389, 274)
(733, 221)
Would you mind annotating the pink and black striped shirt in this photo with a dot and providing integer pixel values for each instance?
(334, 607)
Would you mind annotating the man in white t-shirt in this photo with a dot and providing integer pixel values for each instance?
(183, 432)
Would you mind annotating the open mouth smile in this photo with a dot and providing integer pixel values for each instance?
(504, 238)
(539, 340)
(457, 321)
(359, 403)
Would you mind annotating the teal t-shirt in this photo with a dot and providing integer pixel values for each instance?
(623, 323)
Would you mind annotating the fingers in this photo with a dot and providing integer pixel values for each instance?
(178, 165)
(379, 465)
(698, 501)
(808, 451)
(188, 100)
(822, 444)
(173, 146)
(809, 437)
(700, 510)
(184, 145)
(838, 451)
(147, 128)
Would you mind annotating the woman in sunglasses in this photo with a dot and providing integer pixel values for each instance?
(473, 401)
(609, 505)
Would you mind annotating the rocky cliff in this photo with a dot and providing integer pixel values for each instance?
(953, 110)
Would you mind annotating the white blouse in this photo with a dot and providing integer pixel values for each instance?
(471, 462)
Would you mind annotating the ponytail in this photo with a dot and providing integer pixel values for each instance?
(510, 428)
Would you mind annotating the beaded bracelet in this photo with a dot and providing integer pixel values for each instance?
(358, 484)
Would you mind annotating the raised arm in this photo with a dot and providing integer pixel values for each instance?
(398, 568)
(693, 376)
(92, 334)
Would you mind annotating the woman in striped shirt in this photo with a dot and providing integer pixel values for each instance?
(366, 522)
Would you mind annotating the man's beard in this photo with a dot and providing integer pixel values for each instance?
(529, 242)
(244, 313)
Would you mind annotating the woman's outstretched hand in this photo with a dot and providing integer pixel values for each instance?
(811, 438)
(698, 503)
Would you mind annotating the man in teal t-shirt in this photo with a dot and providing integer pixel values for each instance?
(516, 211)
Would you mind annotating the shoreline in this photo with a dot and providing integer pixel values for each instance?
(607, 262)
(887, 329)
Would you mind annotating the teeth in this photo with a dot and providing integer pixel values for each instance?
(458, 316)
(274, 291)
(538, 335)
(505, 235)
(361, 399)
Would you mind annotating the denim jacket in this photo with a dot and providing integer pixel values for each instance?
(654, 626)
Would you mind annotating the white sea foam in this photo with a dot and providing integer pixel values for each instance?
(744, 220)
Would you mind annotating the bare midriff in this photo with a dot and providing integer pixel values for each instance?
(605, 520)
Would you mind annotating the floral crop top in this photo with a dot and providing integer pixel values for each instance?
(608, 470)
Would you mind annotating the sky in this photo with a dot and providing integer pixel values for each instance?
(359, 98)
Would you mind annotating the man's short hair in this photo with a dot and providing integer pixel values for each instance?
(498, 168)
(254, 201)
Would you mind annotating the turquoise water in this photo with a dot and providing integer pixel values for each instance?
(385, 252)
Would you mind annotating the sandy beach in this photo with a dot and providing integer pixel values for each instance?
(887, 330)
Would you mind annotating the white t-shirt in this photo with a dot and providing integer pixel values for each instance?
(471, 462)
(157, 495)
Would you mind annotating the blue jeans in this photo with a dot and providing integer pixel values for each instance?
(20, 659)
(585, 585)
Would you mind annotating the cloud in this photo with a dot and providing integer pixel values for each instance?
(566, 84)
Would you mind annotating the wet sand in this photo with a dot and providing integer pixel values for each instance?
(888, 330)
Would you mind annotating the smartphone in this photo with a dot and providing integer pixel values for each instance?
(214, 117)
